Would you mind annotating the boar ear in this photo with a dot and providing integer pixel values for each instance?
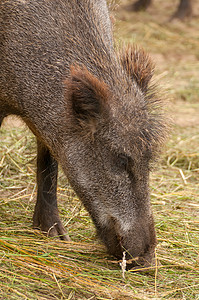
(138, 65)
(88, 96)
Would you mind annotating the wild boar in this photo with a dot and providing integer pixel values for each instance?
(92, 111)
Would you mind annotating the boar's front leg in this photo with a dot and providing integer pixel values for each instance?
(46, 214)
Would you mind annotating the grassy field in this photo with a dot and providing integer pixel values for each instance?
(35, 267)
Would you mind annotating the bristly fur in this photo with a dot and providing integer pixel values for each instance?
(132, 69)
(139, 68)
(138, 65)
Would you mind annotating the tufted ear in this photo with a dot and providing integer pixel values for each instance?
(138, 65)
(88, 96)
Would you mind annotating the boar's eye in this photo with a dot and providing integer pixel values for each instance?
(123, 161)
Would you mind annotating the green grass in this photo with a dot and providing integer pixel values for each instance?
(35, 267)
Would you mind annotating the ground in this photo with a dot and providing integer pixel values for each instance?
(35, 267)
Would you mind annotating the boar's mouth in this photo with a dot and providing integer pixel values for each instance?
(135, 258)
(145, 262)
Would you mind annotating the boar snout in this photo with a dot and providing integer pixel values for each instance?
(138, 240)
(140, 245)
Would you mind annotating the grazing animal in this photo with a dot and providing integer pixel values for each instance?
(92, 111)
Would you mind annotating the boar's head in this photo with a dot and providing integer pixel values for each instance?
(115, 131)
